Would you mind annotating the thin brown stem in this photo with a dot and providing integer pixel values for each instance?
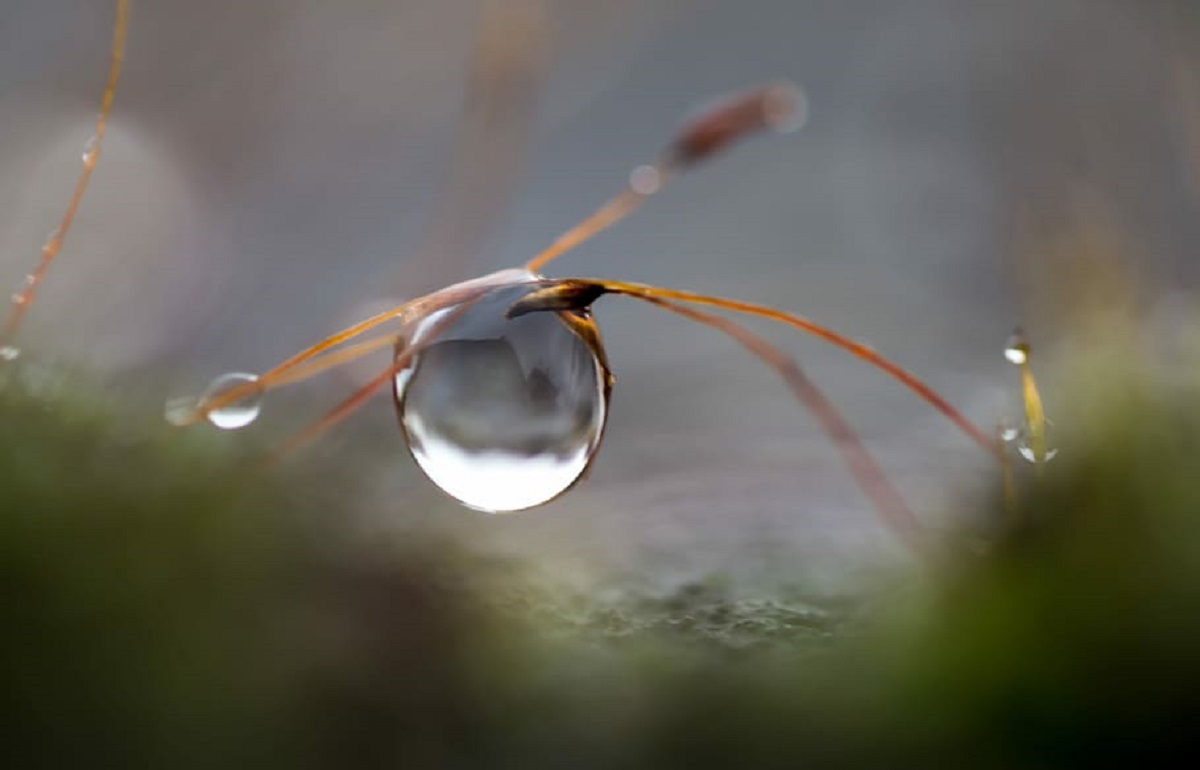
(593, 287)
(23, 300)
(867, 473)
(404, 313)
(617, 208)
(338, 413)
(778, 106)
(278, 378)
(351, 404)
(323, 356)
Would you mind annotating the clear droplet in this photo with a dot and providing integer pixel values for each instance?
(645, 180)
(9, 352)
(90, 149)
(53, 241)
(502, 414)
(1025, 444)
(1016, 350)
(241, 412)
(1027, 452)
(785, 108)
(1009, 434)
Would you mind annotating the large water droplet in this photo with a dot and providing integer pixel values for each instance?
(241, 412)
(503, 414)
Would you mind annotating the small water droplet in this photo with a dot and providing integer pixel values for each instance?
(90, 149)
(1025, 445)
(785, 108)
(1027, 452)
(9, 353)
(19, 299)
(1008, 434)
(240, 413)
(645, 180)
(1016, 350)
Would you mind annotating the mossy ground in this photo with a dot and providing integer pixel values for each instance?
(168, 604)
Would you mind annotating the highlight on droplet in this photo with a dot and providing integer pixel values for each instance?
(1027, 448)
(1016, 349)
(645, 180)
(91, 150)
(238, 413)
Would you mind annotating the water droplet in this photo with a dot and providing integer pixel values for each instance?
(785, 108)
(1028, 453)
(1025, 444)
(9, 353)
(504, 415)
(1008, 434)
(645, 180)
(90, 150)
(1016, 350)
(19, 299)
(241, 412)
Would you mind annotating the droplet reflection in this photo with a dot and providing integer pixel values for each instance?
(1027, 449)
(1025, 444)
(1016, 349)
(241, 412)
(504, 415)
(1030, 455)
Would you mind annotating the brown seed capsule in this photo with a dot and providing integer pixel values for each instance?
(779, 106)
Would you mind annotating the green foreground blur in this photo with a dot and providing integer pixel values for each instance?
(164, 606)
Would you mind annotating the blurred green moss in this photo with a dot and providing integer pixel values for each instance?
(167, 603)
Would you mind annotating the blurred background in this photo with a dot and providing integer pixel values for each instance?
(718, 592)
(276, 170)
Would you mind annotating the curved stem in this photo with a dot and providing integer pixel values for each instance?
(364, 394)
(866, 353)
(778, 106)
(870, 476)
(23, 300)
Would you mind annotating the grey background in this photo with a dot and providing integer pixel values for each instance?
(272, 166)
